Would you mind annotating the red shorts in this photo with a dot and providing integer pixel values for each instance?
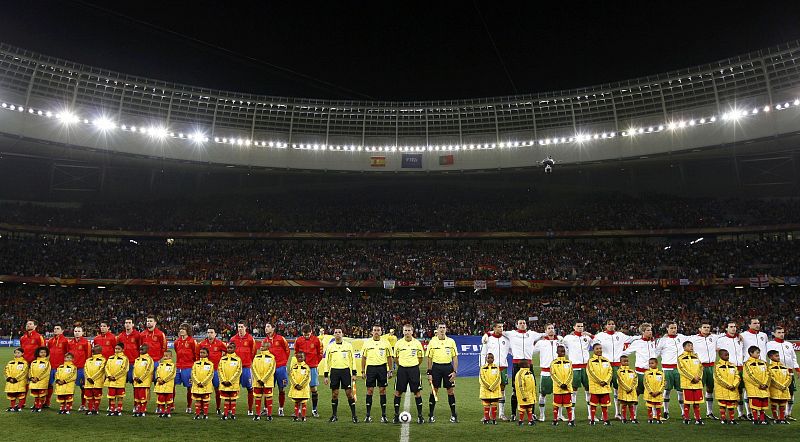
(201, 397)
(39, 393)
(693, 396)
(13, 396)
(164, 398)
(93, 393)
(141, 393)
(728, 404)
(562, 400)
(64, 398)
(116, 392)
(228, 394)
(655, 404)
(262, 391)
(600, 399)
(759, 403)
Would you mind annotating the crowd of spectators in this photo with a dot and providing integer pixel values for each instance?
(414, 261)
(355, 312)
(433, 211)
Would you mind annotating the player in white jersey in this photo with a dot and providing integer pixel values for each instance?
(499, 346)
(577, 345)
(645, 349)
(521, 343)
(788, 358)
(547, 348)
(613, 343)
(754, 337)
(670, 346)
(732, 342)
(705, 345)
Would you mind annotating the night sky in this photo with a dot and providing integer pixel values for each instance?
(395, 50)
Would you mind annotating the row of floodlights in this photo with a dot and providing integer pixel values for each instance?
(107, 125)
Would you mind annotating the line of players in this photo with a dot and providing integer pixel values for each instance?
(214, 367)
(750, 372)
(129, 344)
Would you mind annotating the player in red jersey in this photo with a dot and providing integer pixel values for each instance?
(310, 345)
(188, 352)
(280, 348)
(58, 347)
(155, 339)
(132, 340)
(30, 341)
(106, 340)
(216, 348)
(81, 350)
(246, 349)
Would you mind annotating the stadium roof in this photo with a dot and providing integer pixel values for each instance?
(406, 51)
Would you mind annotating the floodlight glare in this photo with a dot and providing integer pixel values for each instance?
(104, 124)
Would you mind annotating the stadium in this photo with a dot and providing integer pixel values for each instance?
(177, 225)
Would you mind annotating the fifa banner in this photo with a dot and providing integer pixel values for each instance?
(469, 351)
(411, 161)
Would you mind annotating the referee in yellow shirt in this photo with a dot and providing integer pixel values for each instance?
(376, 355)
(442, 370)
(341, 373)
(409, 353)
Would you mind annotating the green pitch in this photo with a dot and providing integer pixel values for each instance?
(49, 425)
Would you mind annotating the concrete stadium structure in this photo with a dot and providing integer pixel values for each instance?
(742, 109)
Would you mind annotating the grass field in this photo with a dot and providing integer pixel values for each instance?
(51, 426)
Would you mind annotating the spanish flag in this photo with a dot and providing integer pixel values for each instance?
(377, 161)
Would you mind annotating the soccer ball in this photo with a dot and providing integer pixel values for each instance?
(405, 417)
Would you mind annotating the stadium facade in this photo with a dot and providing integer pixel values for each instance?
(732, 124)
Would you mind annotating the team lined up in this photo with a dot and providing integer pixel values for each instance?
(751, 374)
(599, 363)
(211, 366)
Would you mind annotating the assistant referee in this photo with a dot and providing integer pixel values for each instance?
(342, 374)
(442, 370)
(376, 363)
(409, 353)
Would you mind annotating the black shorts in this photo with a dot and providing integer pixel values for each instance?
(407, 377)
(440, 374)
(376, 376)
(340, 378)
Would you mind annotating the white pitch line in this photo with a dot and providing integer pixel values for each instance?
(405, 427)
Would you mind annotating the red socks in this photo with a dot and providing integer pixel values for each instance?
(249, 400)
(486, 413)
(281, 398)
(605, 413)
